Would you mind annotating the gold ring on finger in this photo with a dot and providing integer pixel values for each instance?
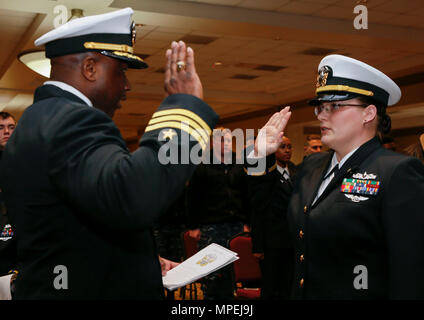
(181, 65)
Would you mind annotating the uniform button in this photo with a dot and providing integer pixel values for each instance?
(302, 281)
(302, 257)
(305, 209)
(301, 234)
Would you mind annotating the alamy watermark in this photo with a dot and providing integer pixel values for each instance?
(179, 148)
(60, 282)
(360, 282)
(60, 15)
(361, 20)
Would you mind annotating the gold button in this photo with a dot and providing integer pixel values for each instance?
(301, 234)
(302, 257)
(305, 209)
(301, 282)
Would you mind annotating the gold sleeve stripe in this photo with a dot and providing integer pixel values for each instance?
(255, 173)
(177, 125)
(344, 88)
(187, 113)
(273, 167)
(182, 119)
(261, 173)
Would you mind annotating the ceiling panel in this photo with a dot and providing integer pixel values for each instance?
(302, 7)
(257, 34)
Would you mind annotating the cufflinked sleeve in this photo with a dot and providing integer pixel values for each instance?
(92, 168)
(258, 166)
(403, 220)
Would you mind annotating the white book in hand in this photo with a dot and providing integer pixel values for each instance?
(207, 260)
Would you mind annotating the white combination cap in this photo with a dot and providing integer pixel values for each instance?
(343, 78)
(111, 34)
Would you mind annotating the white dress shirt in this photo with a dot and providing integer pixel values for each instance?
(71, 89)
(284, 172)
(327, 180)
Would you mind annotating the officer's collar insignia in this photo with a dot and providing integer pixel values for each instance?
(133, 34)
(323, 74)
(364, 175)
(360, 186)
(356, 198)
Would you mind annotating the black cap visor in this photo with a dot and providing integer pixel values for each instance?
(133, 61)
(327, 97)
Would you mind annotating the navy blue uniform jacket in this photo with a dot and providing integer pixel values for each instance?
(352, 245)
(78, 198)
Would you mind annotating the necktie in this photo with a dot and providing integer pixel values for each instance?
(326, 181)
(286, 175)
(335, 170)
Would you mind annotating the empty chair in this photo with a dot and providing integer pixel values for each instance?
(246, 271)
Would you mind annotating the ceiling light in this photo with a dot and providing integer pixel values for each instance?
(36, 60)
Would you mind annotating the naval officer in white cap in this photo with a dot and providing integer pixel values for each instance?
(81, 204)
(355, 215)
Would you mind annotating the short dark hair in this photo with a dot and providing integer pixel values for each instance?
(4, 115)
(387, 139)
(311, 137)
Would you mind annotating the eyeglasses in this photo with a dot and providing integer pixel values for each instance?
(331, 107)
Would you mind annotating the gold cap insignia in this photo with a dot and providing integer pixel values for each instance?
(323, 73)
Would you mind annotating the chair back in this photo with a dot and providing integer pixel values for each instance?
(246, 268)
(190, 245)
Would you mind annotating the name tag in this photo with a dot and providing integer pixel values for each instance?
(360, 186)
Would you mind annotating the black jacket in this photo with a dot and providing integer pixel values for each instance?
(217, 193)
(78, 198)
(345, 231)
(269, 224)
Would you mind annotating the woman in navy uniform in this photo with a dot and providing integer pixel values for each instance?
(355, 215)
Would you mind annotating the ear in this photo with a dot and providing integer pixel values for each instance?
(369, 113)
(89, 68)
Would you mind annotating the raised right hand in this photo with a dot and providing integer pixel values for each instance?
(183, 81)
(270, 136)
